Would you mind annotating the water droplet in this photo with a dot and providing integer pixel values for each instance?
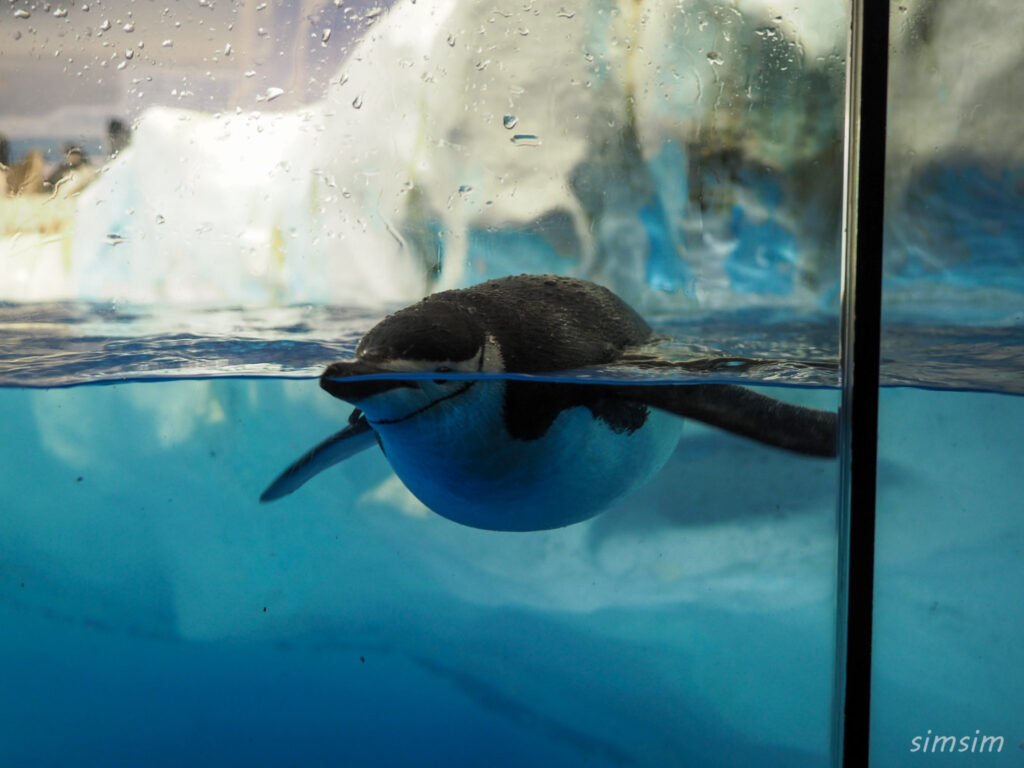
(167, 43)
(273, 93)
(451, 40)
(261, 32)
(129, 53)
(525, 140)
(510, 121)
(261, 6)
(113, 239)
(227, 49)
(105, 25)
(564, 14)
(777, 19)
(715, 59)
(21, 13)
(128, 27)
(482, 65)
(160, 219)
(463, 189)
(85, 8)
(249, 72)
(325, 36)
(60, 13)
(17, 35)
(357, 102)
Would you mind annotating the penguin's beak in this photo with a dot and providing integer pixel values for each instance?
(335, 380)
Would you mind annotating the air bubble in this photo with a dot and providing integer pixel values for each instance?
(21, 13)
(510, 121)
(357, 102)
(715, 59)
(105, 25)
(128, 27)
(60, 13)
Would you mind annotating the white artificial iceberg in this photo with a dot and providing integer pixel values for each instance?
(459, 142)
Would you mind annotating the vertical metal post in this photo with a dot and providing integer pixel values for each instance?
(867, 81)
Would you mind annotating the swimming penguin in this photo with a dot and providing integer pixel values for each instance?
(519, 455)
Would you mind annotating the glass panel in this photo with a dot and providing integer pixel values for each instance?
(948, 671)
(208, 203)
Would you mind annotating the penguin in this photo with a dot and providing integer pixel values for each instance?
(443, 388)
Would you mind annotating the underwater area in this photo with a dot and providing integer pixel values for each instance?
(286, 176)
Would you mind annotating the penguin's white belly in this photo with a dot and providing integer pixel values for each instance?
(461, 463)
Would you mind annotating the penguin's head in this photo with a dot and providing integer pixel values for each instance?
(432, 336)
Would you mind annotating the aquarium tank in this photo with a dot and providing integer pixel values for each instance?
(624, 524)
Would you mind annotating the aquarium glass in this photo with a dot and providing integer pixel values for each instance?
(205, 203)
(949, 632)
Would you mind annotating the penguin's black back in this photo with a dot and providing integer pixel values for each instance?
(550, 323)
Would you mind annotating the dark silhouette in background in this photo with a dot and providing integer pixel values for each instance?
(119, 136)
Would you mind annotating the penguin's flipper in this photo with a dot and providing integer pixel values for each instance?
(356, 437)
(739, 410)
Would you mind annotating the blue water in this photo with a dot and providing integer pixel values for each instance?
(158, 613)
(155, 613)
